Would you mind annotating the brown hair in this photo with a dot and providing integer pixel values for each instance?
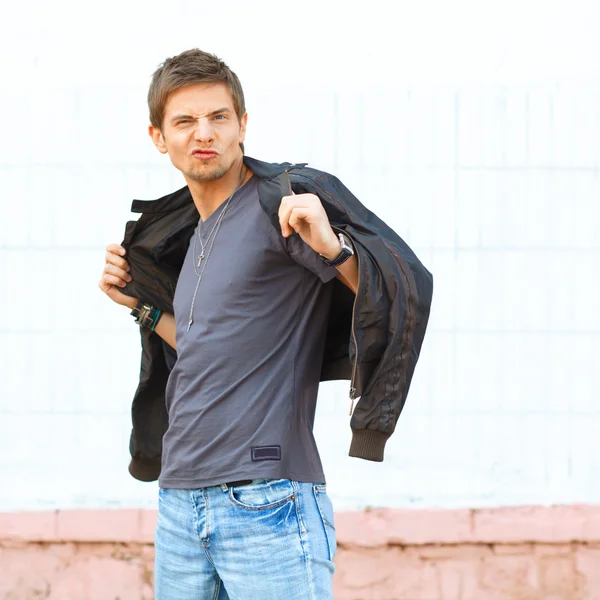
(190, 67)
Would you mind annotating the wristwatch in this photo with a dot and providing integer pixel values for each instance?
(346, 252)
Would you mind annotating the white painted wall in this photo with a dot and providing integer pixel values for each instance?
(471, 127)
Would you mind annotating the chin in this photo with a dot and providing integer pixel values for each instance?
(211, 174)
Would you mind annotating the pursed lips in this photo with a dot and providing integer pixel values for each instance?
(198, 153)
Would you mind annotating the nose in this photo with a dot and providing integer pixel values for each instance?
(203, 131)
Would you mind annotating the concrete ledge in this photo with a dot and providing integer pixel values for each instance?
(388, 526)
(402, 527)
(116, 525)
(555, 524)
(367, 529)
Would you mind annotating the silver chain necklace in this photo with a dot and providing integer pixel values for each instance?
(217, 222)
(203, 260)
(213, 230)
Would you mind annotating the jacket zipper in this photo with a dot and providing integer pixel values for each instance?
(354, 366)
(352, 393)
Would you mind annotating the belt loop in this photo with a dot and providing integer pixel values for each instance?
(224, 487)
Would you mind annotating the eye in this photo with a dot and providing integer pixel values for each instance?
(220, 117)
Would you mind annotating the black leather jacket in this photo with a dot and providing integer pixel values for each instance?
(373, 338)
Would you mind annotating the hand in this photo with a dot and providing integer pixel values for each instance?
(116, 275)
(304, 214)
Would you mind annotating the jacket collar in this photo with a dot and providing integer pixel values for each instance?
(266, 170)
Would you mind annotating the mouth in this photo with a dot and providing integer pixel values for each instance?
(204, 154)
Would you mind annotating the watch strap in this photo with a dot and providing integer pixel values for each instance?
(346, 252)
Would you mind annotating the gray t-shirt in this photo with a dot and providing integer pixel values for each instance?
(241, 397)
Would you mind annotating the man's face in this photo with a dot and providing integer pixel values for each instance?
(198, 118)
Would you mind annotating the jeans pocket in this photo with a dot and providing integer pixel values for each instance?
(326, 511)
(262, 494)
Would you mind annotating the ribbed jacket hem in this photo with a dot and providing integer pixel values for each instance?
(145, 469)
(368, 444)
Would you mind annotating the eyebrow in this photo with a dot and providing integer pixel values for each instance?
(219, 111)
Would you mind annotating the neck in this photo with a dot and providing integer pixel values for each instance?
(209, 195)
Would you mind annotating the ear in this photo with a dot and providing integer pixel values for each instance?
(243, 127)
(157, 139)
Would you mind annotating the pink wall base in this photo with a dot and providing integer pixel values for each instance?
(527, 553)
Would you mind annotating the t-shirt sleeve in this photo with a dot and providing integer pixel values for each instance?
(306, 257)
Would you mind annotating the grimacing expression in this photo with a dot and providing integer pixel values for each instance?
(201, 117)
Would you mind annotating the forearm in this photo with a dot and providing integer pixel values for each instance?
(165, 328)
(348, 270)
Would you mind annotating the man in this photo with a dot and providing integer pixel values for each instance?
(257, 321)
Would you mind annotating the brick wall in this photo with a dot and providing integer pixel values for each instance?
(525, 553)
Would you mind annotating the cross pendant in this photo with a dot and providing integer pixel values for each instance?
(200, 258)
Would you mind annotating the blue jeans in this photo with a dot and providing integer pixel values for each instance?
(269, 540)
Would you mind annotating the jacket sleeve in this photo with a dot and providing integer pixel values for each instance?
(390, 317)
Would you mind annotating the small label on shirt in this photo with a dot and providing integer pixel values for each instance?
(266, 453)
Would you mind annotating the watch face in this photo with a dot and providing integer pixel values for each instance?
(346, 245)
